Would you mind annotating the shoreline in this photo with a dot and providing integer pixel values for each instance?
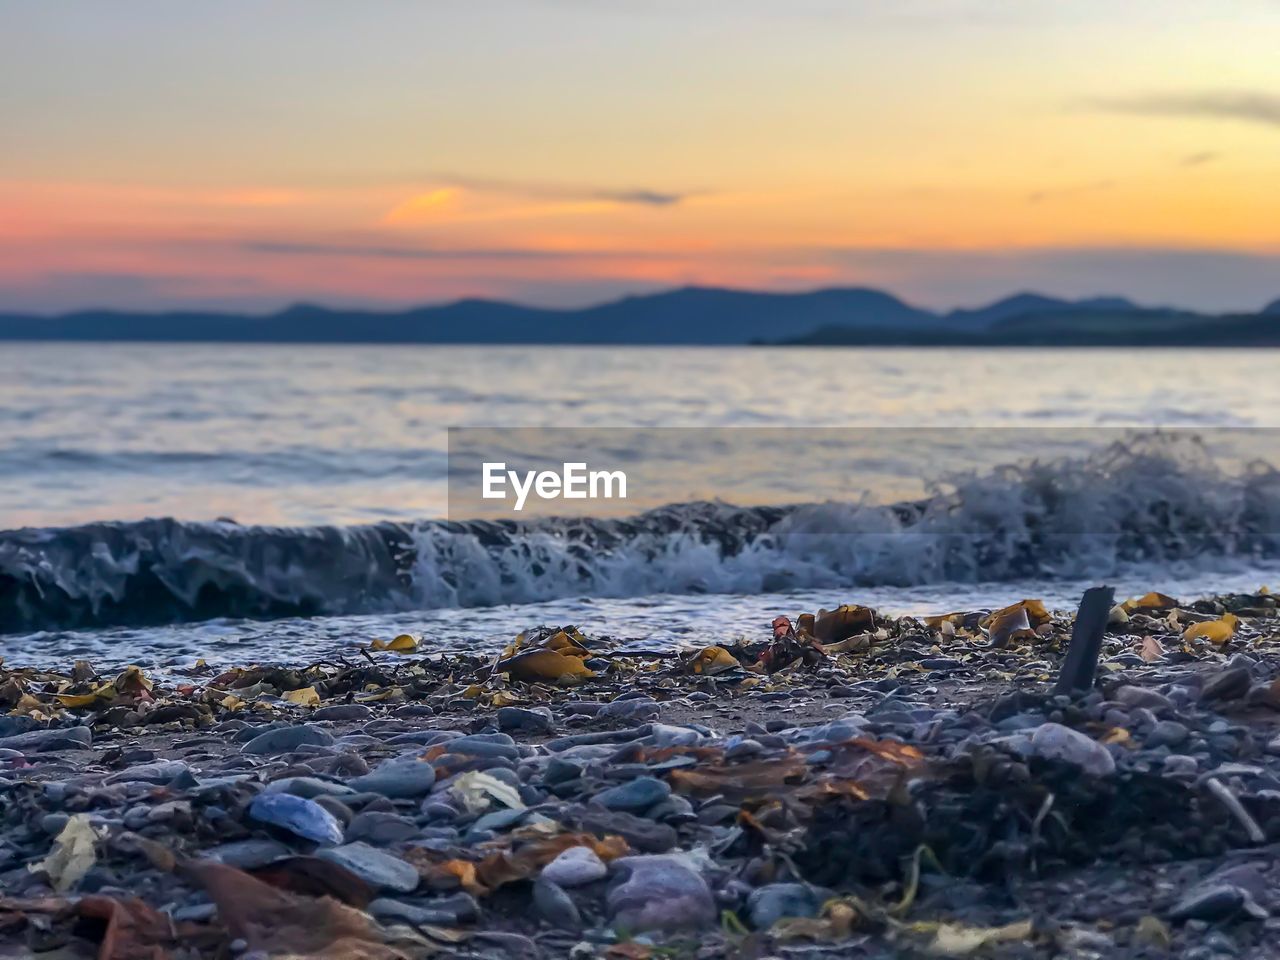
(897, 787)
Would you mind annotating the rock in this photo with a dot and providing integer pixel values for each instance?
(555, 906)
(1228, 685)
(309, 787)
(248, 854)
(485, 745)
(634, 797)
(561, 771)
(635, 709)
(665, 735)
(444, 912)
(1053, 741)
(381, 828)
(1216, 901)
(1180, 766)
(1167, 733)
(641, 834)
(159, 773)
(398, 779)
(42, 741)
(380, 870)
(299, 816)
(535, 720)
(342, 711)
(768, 904)
(1132, 696)
(286, 739)
(660, 893)
(575, 867)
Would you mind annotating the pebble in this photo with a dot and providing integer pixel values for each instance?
(1167, 733)
(530, 720)
(381, 828)
(298, 815)
(159, 773)
(380, 870)
(287, 739)
(43, 741)
(575, 867)
(768, 904)
(1053, 741)
(555, 906)
(634, 797)
(248, 854)
(660, 893)
(1228, 685)
(398, 779)
(342, 711)
(309, 787)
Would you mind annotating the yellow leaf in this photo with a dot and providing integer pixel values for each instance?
(1215, 631)
(955, 940)
(1150, 601)
(74, 853)
(232, 702)
(401, 644)
(306, 697)
(713, 660)
(78, 700)
(1116, 735)
(1035, 612)
(545, 665)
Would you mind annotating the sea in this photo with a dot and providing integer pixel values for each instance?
(162, 503)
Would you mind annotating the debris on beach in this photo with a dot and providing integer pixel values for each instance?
(844, 781)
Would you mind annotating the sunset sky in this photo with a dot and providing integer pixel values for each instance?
(253, 153)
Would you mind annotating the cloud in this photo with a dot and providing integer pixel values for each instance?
(393, 252)
(644, 198)
(1251, 106)
(1198, 159)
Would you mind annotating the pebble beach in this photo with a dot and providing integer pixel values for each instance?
(842, 784)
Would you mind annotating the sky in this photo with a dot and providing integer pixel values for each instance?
(249, 154)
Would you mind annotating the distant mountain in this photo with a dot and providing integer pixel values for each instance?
(689, 315)
(1272, 308)
(1023, 304)
(1079, 328)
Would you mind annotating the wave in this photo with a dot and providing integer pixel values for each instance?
(1153, 498)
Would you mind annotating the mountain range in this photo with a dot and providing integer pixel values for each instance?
(688, 315)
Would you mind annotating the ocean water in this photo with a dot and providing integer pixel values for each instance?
(163, 502)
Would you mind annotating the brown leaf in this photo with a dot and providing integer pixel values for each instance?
(279, 922)
(1151, 650)
(843, 622)
(316, 877)
(137, 932)
(739, 780)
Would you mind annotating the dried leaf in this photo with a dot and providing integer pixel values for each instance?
(1151, 650)
(713, 660)
(843, 622)
(74, 853)
(277, 922)
(1150, 601)
(401, 644)
(478, 790)
(956, 940)
(1215, 631)
(306, 697)
(545, 665)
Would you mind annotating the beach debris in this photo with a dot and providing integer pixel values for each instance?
(1081, 663)
(74, 853)
(477, 791)
(404, 643)
(958, 940)
(1215, 631)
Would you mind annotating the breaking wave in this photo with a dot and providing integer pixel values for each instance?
(1149, 499)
